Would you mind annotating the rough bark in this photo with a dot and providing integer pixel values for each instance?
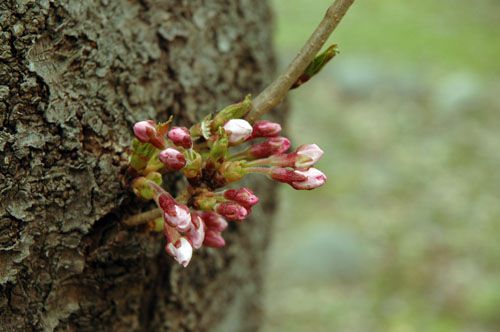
(74, 76)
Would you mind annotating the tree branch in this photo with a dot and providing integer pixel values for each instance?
(274, 94)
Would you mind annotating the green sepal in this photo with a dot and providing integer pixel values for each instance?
(194, 164)
(205, 125)
(142, 189)
(219, 146)
(232, 170)
(158, 225)
(205, 202)
(234, 111)
(154, 163)
(155, 177)
(202, 128)
(141, 154)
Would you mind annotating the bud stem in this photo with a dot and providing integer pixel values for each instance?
(239, 155)
(263, 170)
(257, 162)
(142, 218)
(274, 94)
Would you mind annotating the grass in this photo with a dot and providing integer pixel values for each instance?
(404, 236)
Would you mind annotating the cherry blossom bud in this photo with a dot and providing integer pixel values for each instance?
(148, 132)
(287, 175)
(314, 179)
(176, 215)
(231, 210)
(214, 221)
(144, 130)
(307, 155)
(173, 159)
(272, 146)
(238, 130)
(243, 196)
(214, 239)
(180, 136)
(265, 128)
(196, 233)
(182, 251)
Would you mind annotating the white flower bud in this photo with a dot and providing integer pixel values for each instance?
(238, 130)
(182, 251)
(307, 156)
(315, 179)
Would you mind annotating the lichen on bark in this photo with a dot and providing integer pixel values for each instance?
(74, 77)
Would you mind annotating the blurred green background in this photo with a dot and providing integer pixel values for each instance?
(405, 236)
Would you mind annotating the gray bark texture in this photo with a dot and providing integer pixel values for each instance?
(74, 77)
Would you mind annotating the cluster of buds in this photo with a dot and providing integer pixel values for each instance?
(212, 154)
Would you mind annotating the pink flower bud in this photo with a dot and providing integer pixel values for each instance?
(314, 179)
(175, 215)
(149, 132)
(231, 210)
(243, 196)
(214, 239)
(238, 130)
(287, 175)
(272, 146)
(196, 233)
(214, 221)
(182, 251)
(266, 129)
(180, 136)
(307, 155)
(144, 130)
(173, 159)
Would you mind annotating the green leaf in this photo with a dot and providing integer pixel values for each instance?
(316, 65)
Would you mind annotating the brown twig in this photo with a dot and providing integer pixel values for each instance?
(274, 94)
(142, 218)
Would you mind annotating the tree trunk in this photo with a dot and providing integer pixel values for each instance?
(74, 77)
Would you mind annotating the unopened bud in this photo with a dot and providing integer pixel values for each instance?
(214, 239)
(231, 210)
(238, 130)
(173, 159)
(287, 175)
(243, 196)
(176, 215)
(214, 221)
(314, 179)
(272, 146)
(149, 132)
(144, 130)
(196, 233)
(182, 251)
(307, 155)
(265, 128)
(180, 136)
